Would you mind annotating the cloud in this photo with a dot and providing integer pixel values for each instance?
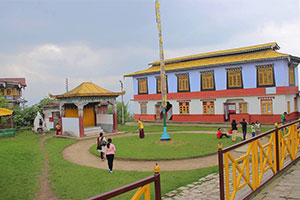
(47, 66)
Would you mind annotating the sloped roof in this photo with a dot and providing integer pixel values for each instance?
(262, 52)
(5, 112)
(21, 81)
(87, 89)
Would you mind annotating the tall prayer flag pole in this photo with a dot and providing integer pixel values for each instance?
(165, 135)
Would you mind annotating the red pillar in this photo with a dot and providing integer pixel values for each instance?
(115, 120)
(81, 128)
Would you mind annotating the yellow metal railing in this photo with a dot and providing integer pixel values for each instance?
(261, 156)
(142, 185)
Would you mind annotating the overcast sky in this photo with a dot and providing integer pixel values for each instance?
(48, 41)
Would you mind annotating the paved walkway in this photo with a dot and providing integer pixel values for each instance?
(78, 153)
(286, 186)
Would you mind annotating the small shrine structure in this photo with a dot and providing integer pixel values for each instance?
(84, 110)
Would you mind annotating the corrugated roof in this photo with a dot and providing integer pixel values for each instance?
(5, 112)
(21, 81)
(87, 89)
(217, 58)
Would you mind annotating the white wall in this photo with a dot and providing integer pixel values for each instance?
(70, 126)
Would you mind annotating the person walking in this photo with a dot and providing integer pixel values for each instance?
(244, 128)
(234, 130)
(257, 127)
(101, 142)
(141, 128)
(110, 154)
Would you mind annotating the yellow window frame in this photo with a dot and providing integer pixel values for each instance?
(207, 81)
(183, 83)
(143, 86)
(291, 76)
(288, 106)
(265, 75)
(208, 107)
(243, 107)
(266, 107)
(143, 108)
(234, 78)
(184, 108)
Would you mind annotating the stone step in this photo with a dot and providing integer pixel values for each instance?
(93, 130)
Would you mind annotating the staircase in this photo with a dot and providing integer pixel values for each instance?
(95, 130)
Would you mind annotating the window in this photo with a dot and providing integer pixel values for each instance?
(184, 108)
(207, 80)
(234, 78)
(208, 107)
(243, 107)
(158, 84)
(183, 82)
(8, 91)
(143, 86)
(292, 76)
(143, 108)
(265, 75)
(295, 105)
(288, 107)
(266, 107)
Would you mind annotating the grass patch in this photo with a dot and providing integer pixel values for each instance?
(157, 128)
(182, 145)
(71, 181)
(21, 162)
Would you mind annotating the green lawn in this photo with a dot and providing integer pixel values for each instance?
(157, 128)
(21, 162)
(71, 181)
(182, 145)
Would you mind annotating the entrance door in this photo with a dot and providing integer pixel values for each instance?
(88, 117)
(158, 111)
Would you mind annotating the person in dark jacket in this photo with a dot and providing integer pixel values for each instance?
(244, 128)
(234, 130)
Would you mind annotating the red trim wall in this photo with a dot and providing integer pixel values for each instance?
(220, 93)
(220, 118)
(145, 117)
(198, 118)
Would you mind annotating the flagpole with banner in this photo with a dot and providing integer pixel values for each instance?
(165, 135)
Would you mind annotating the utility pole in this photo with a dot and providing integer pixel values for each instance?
(67, 85)
(122, 102)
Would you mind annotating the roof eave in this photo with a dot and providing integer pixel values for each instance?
(213, 65)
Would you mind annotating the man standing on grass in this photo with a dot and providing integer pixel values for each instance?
(244, 128)
(141, 128)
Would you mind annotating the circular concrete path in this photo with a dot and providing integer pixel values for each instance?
(78, 153)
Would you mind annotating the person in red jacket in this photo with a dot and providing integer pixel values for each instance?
(220, 134)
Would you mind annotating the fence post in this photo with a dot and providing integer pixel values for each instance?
(157, 183)
(221, 173)
(277, 148)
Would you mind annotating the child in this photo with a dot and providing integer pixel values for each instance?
(220, 134)
(252, 129)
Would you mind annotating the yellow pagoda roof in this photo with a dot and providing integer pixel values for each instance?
(225, 57)
(87, 89)
(5, 112)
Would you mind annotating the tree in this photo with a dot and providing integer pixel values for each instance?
(3, 102)
(25, 117)
(127, 116)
